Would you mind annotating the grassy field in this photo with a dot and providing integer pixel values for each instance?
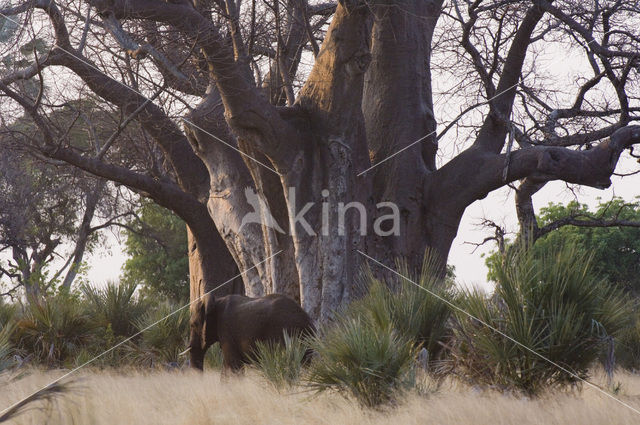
(198, 399)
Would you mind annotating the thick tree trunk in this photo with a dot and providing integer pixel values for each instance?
(398, 109)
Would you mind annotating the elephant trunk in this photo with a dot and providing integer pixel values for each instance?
(196, 357)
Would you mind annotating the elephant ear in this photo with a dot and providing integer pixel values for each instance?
(208, 310)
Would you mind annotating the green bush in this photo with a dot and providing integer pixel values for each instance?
(54, 329)
(280, 364)
(116, 307)
(550, 302)
(6, 347)
(357, 358)
(167, 338)
(213, 359)
(410, 306)
(627, 346)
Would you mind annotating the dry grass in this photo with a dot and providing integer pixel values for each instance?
(198, 399)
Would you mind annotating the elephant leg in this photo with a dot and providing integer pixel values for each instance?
(232, 358)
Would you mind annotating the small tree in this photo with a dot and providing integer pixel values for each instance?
(611, 233)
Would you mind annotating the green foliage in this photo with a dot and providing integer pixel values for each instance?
(616, 250)
(213, 359)
(7, 312)
(410, 308)
(358, 358)
(627, 346)
(551, 302)
(6, 347)
(280, 364)
(158, 253)
(43, 207)
(55, 329)
(165, 334)
(115, 307)
(8, 28)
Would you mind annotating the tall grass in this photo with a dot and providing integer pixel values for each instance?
(552, 304)
(143, 398)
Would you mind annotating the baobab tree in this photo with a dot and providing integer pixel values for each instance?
(336, 132)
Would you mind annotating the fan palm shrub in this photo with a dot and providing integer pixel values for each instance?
(164, 334)
(7, 328)
(550, 303)
(54, 329)
(6, 347)
(280, 364)
(116, 306)
(359, 359)
(213, 358)
(7, 312)
(627, 346)
(412, 303)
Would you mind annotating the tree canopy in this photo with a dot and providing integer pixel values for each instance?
(611, 233)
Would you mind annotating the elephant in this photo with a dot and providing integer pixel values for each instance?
(237, 322)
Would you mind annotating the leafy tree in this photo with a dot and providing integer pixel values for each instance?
(157, 246)
(40, 212)
(611, 233)
(50, 209)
